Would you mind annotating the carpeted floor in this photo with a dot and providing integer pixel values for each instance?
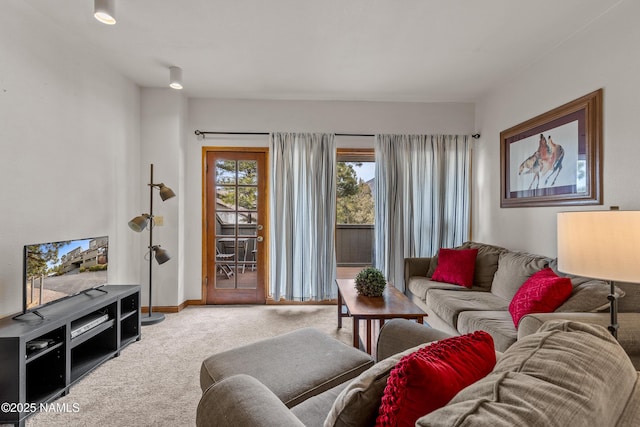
(155, 382)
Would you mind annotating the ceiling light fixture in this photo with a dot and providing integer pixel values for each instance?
(175, 77)
(105, 11)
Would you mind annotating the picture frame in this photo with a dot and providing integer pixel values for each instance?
(554, 159)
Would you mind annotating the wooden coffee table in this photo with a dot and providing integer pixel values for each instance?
(391, 305)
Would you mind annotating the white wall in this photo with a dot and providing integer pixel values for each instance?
(296, 116)
(69, 145)
(162, 142)
(603, 55)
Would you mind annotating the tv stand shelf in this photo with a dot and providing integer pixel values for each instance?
(39, 375)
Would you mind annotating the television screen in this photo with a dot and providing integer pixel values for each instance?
(57, 270)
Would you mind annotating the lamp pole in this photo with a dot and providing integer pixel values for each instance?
(152, 318)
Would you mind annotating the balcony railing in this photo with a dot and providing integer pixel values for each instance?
(354, 244)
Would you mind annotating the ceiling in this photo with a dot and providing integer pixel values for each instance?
(379, 50)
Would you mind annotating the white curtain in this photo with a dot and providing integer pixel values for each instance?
(303, 215)
(422, 198)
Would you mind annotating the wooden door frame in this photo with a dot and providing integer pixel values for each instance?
(262, 256)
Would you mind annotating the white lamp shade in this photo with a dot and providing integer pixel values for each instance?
(175, 77)
(105, 11)
(600, 244)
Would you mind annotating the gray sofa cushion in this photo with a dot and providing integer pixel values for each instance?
(314, 410)
(564, 375)
(419, 286)
(486, 264)
(449, 304)
(498, 324)
(588, 295)
(358, 403)
(305, 351)
(514, 268)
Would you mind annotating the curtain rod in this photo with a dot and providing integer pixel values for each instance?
(205, 132)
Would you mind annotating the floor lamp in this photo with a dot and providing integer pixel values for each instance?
(601, 245)
(138, 224)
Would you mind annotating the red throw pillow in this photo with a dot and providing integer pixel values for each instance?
(456, 266)
(543, 292)
(428, 379)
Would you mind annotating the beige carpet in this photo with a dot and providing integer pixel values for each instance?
(155, 382)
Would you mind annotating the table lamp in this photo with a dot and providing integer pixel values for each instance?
(601, 245)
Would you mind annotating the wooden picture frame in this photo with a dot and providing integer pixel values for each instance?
(554, 159)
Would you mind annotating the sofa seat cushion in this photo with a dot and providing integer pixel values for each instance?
(567, 374)
(314, 410)
(419, 286)
(294, 366)
(449, 304)
(514, 268)
(498, 324)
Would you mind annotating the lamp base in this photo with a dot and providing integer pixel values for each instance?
(151, 319)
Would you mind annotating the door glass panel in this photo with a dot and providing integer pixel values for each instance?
(248, 198)
(225, 198)
(225, 172)
(248, 172)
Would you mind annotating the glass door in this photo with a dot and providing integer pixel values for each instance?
(235, 227)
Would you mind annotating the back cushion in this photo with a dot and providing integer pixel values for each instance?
(566, 374)
(514, 268)
(590, 295)
(486, 263)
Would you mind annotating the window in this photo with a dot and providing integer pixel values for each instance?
(355, 212)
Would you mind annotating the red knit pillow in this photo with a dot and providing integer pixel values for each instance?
(543, 292)
(428, 379)
(456, 266)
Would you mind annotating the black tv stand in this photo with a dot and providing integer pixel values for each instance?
(95, 289)
(36, 312)
(40, 359)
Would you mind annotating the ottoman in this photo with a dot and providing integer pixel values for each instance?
(294, 366)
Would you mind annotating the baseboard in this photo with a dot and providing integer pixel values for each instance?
(269, 301)
(173, 308)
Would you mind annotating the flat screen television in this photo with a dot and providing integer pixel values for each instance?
(57, 270)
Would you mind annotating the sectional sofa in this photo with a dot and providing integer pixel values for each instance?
(565, 374)
(497, 276)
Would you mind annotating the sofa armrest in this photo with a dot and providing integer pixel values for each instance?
(241, 400)
(415, 267)
(400, 334)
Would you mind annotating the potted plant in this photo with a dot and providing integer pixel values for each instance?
(370, 282)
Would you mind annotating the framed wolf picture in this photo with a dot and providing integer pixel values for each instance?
(554, 159)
